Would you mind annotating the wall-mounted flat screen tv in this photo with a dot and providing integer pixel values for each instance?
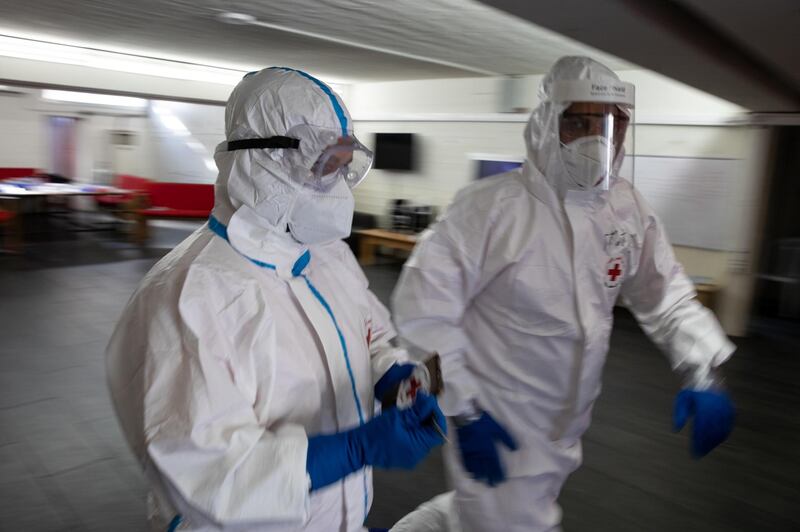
(394, 151)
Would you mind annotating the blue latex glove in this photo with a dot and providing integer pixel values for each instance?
(394, 439)
(478, 444)
(713, 413)
(393, 377)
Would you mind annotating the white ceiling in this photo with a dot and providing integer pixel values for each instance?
(430, 38)
(769, 29)
(745, 51)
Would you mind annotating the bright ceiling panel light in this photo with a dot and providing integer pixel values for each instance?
(93, 99)
(40, 49)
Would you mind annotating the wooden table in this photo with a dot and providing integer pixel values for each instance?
(369, 239)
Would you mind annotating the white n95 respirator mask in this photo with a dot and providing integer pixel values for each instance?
(317, 217)
(587, 160)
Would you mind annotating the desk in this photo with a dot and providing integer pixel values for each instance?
(369, 239)
(40, 190)
(16, 197)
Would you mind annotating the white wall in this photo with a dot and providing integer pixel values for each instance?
(443, 161)
(658, 99)
(98, 159)
(182, 140)
(136, 159)
(661, 99)
(22, 139)
(184, 154)
(471, 95)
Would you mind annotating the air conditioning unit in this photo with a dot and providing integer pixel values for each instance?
(121, 137)
(514, 95)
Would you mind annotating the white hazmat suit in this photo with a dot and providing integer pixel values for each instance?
(515, 286)
(242, 341)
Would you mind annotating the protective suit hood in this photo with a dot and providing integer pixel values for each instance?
(255, 196)
(541, 132)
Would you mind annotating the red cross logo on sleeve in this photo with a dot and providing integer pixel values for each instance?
(413, 386)
(615, 272)
(407, 393)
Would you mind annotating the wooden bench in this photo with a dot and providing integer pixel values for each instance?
(369, 239)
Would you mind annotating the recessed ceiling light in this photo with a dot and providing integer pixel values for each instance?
(132, 61)
(236, 18)
(92, 98)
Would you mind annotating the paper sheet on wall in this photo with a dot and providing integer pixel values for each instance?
(696, 198)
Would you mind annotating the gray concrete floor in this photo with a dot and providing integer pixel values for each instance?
(65, 466)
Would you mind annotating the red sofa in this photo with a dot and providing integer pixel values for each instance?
(178, 200)
(11, 173)
(137, 185)
(157, 199)
(174, 201)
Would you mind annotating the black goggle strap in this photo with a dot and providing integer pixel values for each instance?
(286, 143)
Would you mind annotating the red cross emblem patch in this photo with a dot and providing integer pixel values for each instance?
(614, 272)
(419, 381)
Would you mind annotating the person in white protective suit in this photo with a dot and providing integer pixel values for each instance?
(242, 369)
(515, 286)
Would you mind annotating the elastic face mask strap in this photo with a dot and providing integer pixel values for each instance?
(278, 142)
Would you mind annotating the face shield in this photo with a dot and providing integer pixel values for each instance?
(595, 131)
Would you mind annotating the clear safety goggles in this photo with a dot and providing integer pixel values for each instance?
(317, 157)
(325, 156)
